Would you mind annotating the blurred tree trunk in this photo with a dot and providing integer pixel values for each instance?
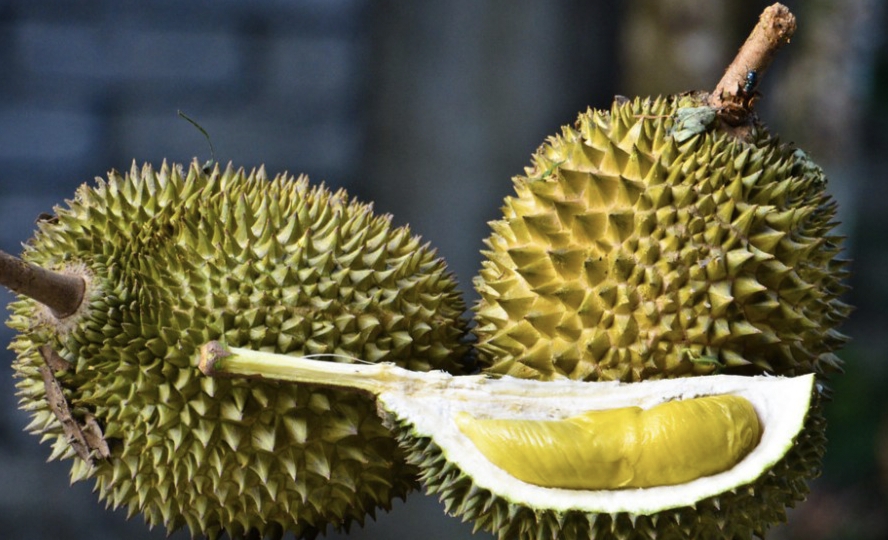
(822, 86)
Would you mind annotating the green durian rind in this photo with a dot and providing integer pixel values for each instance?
(627, 255)
(743, 512)
(179, 256)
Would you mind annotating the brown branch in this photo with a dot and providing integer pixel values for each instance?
(85, 438)
(61, 293)
(734, 96)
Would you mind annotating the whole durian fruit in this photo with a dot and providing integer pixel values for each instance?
(645, 242)
(174, 257)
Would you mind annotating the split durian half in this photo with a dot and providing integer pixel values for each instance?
(176, 256)
(476, 438)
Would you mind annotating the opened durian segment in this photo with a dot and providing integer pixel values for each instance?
(428, 405)
(781, 405)
(629, 447)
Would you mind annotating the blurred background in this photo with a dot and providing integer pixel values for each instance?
(428, 109)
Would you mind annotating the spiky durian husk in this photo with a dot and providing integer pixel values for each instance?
(629, 255)
(174, 261)
(739, 514)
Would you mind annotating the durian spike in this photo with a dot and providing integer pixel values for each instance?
(61, 293)
(734, 96)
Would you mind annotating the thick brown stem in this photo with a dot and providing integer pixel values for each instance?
(61, 293)
(734, 96)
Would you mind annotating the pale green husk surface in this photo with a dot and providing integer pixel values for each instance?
(643, 242)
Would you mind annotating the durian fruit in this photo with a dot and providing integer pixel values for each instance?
(174, 257)
(530, 459)
(647, 242)
(667, 237)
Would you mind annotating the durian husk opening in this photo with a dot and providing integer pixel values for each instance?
(782, 410)
(421, 409)
(746, 512)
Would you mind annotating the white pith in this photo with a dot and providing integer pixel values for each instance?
(781, 403)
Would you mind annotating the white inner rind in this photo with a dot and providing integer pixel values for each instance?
(781, 403)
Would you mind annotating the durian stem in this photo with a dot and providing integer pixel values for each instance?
(734, 96)
(220, 360)
(61, 293)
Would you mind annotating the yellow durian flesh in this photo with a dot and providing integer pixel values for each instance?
(628, 447)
